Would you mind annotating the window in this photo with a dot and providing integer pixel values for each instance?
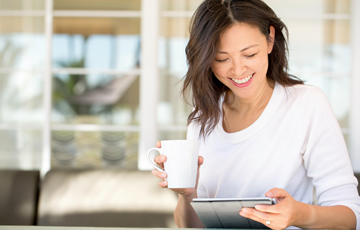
(95, 83)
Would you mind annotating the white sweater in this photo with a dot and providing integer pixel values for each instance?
(296, 144)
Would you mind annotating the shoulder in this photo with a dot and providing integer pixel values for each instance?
(314, 107)
(308, 95)
(302, 89)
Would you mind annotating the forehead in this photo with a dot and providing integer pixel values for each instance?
(241, 35)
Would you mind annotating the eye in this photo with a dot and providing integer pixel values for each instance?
(250, 56)
(222, 60)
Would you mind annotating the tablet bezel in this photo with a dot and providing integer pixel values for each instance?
(267, 200)
(224, 212)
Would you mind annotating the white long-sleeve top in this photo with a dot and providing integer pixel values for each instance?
(296, 144)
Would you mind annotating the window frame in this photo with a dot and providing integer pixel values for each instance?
(150, 14)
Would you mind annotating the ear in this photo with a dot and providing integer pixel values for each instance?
(271, 39)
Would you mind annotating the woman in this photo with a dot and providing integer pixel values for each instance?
(262, 131)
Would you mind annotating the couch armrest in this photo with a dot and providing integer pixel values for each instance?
(18, 197)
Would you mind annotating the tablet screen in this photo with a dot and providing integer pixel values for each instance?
(224, 212)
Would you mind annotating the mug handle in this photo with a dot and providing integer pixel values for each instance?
(151, 161)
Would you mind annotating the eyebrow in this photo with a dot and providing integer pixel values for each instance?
(246, 48)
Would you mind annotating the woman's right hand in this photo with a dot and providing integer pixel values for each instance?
(186, 192)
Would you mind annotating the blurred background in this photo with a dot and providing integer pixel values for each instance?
(95, 83)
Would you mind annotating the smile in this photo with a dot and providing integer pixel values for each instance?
(243, 80)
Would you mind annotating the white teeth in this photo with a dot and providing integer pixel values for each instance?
(242, 81)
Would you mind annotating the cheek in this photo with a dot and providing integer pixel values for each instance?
(218, 74)
(260, 64)
(215, 70)
(218, 70)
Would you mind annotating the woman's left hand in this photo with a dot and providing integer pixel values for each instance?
(286, 212)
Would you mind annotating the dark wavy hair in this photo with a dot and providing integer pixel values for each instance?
(210, 20)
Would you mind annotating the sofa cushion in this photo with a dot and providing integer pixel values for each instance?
(105, 198)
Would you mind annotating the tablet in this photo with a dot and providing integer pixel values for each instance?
(224, 212)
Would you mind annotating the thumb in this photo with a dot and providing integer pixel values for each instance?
(200, 160)
(276, 193)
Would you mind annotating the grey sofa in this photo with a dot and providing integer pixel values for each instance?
(99, 198)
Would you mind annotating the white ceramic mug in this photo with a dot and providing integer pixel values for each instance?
(181, 164)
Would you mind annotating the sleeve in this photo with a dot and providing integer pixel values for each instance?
(325, 155)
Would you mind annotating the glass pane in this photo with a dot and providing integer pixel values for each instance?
(20, 149)
(172, 43)
(96, 99)
(309, 7)
(280, 7)
(174, 27)
(97, 4)
(337, 90)
(180, 5)
(318, 46)
(12, 24)
(22, 42)
(21, 98)
(22, 4)
(99, 43)
(172, 110)
(94, 149)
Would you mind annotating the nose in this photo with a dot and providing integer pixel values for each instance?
(238, 68)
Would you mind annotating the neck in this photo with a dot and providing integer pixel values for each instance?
(252, 104)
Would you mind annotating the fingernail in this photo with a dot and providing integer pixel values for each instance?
(163, 175)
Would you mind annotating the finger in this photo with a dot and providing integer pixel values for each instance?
(255, 218)
(158, 144)
(159, 174)
(246, 215)
(276, 193)
(268, 208)
(201, 160)
(163, 184)
(160, 159)
(253, 213)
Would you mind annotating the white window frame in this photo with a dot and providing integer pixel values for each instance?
(149, 76)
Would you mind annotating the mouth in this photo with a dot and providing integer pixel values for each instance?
(242, 81)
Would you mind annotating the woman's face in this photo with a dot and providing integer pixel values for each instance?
(241, 60)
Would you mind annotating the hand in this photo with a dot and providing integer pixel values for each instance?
(286, 212)
(160, 160)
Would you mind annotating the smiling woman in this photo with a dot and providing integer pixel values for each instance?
(264, 131)
(262, 25)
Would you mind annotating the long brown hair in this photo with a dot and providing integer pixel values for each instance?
(210, 20)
